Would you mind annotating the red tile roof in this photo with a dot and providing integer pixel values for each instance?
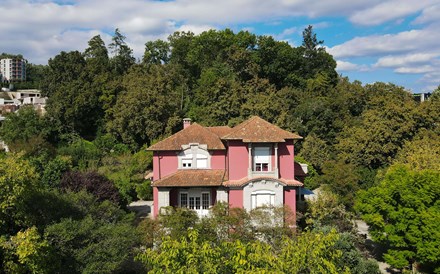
(253, 130)
(257, 130)
(195, 133)
(220, 131)
(192, 178)
(246, 180)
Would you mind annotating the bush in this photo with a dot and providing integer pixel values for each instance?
(85, 155)
(54, 170)
(92, 182)
(144, 191)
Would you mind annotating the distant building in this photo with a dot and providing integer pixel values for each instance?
(421, 97)
(11, 101)
(13, 69)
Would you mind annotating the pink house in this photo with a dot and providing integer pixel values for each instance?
(247, 166)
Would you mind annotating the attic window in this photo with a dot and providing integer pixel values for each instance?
(187, 162)
(194, 157)
(202, 161)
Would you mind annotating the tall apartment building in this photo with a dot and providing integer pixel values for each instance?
(13, 69)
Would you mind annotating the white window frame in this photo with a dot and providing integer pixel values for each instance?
(187, 163)
(262, 156)
(194, 157)
(195, 201)
(201, 161)
(261, 193)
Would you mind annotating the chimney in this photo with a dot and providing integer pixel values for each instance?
(186, 122)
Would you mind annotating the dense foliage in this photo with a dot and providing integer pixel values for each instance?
(403, 211)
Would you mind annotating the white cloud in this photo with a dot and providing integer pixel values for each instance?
(432, 77)
(429, 14)
(402, 60)
(345, 66)
(415, 69)
(377, 45)
(388, 10)
(196, 29)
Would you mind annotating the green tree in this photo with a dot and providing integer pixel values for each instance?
(342, 179)
(316, 151)
(423, 152)
(54, 170)
(18, 180)
(309, 252)
(27, 252)
(156, 52)
(403, 213)
(316, 61)
(96, 56)
(91, 246)
(19, 128)
(123, 58)
(73, 105)
(35, 75)
(310, 41)
(327, 210)
(384, 127)
(150, 107)
(217, 98)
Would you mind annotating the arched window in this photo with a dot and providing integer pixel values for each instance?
(261, 198)
(194, 156)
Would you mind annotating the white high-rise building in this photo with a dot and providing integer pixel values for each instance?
(13, 69)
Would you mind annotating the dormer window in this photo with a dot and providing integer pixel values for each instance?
(202, 161)
(187, 162)
(194, 156)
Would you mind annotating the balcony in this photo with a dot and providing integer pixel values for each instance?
(263, 173)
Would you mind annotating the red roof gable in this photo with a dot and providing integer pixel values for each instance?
(195, 133)
(257, 130)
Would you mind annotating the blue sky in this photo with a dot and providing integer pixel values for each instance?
(372, 40)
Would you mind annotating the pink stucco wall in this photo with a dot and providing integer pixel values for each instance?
(236, 198)
(238, 158)
(285, 152)
(164, 163)
(290, 201)
(218, 158)
(155, 203)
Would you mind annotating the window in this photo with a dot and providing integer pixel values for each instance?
(195, 201)
(262, 198)
(192, 158)
(183, 199)
(262, 159)
(187, 163)
(205, 200)
(202, 161)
